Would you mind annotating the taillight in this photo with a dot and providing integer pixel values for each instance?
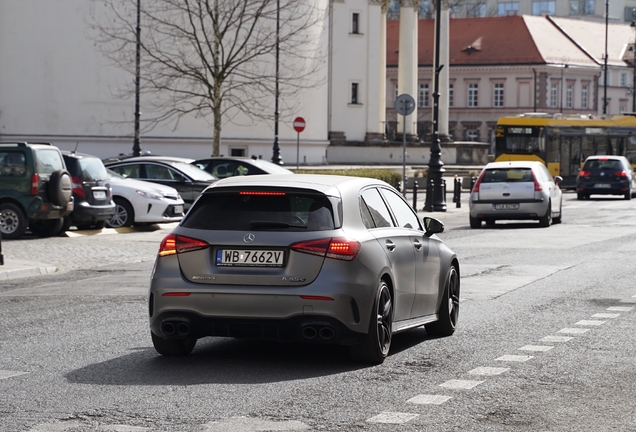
(176, 244)
(584, 173)
(335, 248)
(478, 182)
(537, 186)
(78, 187)
(620, 174)
(35, 184)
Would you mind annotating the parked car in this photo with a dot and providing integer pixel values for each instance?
(35, 189)
(310, 258)
(222, 167)
(139, 202)
(520, 190)
(91, 190)
(175, 172)
(606, 175)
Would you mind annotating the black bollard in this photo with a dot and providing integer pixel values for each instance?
(428, 203)
(415, 194)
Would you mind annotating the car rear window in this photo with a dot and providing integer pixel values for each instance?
(93, 169)
(508, 175)
(603, 164)
(260, 209)
(13, 164)
(49, 161)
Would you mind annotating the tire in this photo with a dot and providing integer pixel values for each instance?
(66, 224)
(545, 221)
(475, 223)
(580, 196)
(91, 225)
(13, 222)
(46, 227)
(557, 220)
(60, 188)
(628, 195)
(449, 309)
(124, 214)
(173, 347)
(376, 344)
(490, 223)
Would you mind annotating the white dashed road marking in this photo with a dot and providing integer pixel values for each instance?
(429, 399)
(247, 424)
(538, 348)
(590, 323)
(605, 315)
(620, 308)
(4, 374)
(488, 371)
(460, 384)
(557, 338)
(573, 330)
(392, 418)
(514, 358)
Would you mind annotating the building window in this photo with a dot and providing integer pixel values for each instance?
(543, 8)
(498, 95)
(475, 10)
(568, 95)
(471, 134)
(473, 95)
(584, 96)
(622, 107)
(450, 95)
(581, 7)
(355, 23)
(396, 91)
(424, 10)
(508, 8)
(623, 80)
(354, 93)
(422, 96)
(554, 95)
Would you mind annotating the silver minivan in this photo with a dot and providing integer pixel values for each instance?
(518, 190)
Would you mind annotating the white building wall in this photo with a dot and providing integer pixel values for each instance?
(56, 86)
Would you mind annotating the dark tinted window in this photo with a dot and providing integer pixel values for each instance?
(261, 210)
(127, 171)
(377, 208)
(603, 164)
(508, 175)
(405, 216)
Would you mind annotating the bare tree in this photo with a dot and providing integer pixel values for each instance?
(214, 57)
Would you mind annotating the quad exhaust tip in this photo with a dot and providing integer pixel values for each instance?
(171, 328)
(310, 332)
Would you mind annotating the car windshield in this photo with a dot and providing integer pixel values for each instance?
(270, 167)
(258, 209)
(112, 173)
(194, 172)
(93, 169)
(508, 175)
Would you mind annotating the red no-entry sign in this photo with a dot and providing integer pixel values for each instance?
(299, 124)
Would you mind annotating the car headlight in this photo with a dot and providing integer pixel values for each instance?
(150, 195)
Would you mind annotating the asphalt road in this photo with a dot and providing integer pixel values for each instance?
(545, 343)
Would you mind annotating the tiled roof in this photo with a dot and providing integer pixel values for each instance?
(506, 40)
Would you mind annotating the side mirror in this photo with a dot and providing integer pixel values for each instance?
(558, 179)
(432, 226)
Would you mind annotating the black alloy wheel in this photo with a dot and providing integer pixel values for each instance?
(449, 309)
(375, 346)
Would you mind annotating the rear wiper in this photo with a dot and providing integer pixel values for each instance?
(273, 224)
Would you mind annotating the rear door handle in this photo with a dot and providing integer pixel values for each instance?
(390, 245)
(417, 245)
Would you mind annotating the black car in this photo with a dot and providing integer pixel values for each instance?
(606, 175)
(222, 167)
(93, 195)
(178, 173)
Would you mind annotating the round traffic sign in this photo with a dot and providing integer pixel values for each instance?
(299, 124)
(405, 104)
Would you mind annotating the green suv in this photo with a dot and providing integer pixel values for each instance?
(35, 189)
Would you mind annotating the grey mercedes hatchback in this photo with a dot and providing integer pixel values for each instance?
(311, 258)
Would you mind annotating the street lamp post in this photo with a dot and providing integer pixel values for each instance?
(605, 60)
(136, 144)
(633, 25)
(563, 68)
(276, 156)
(435, 164)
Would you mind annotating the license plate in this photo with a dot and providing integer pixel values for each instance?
(99, 194)
(249, 258)
(602, 185)
(178, 209)
(505, 206)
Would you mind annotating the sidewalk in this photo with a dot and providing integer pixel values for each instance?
(13, 269)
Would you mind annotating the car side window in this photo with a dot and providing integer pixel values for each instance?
(13, 164)
(127, 171)
(158, 172)
(404, 214)
(377, 208)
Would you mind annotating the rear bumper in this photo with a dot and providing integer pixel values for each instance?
(615, 188)
(85, 212)
(528, 210)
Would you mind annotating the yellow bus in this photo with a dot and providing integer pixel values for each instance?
(563, 143)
